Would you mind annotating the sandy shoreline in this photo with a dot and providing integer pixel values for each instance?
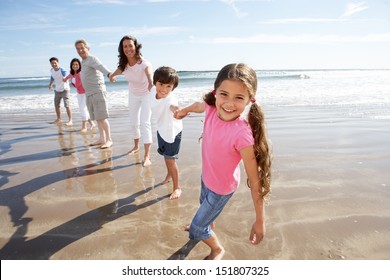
(61, 199)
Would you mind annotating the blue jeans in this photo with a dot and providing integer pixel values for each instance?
(211, 205)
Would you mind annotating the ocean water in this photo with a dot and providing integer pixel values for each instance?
(356, 93)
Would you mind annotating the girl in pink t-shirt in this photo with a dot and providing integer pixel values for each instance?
(75, 80)
(228, 138)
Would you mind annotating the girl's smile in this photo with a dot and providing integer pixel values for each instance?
(231, 99)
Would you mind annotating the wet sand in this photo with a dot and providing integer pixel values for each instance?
(63, 200)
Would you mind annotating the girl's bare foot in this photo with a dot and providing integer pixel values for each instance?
(69, 123)
(83, 129)
(176, 194)
(216, 254)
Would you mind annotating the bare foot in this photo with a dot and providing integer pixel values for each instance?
(146, 162)
(98, 143)
(69, 123)
(83, 129)
(176, 194)
(133, 151)
(106, 145)
(56, 121)
(216, 254)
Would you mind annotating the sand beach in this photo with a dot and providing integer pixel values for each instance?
(63, 200)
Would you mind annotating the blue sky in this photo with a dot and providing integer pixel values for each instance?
(198, 35)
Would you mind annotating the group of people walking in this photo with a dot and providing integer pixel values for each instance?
(228, 136)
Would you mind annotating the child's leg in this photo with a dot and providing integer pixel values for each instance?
(210, 208)
(173, 172)
(217, 251)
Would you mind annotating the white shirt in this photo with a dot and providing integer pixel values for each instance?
(136, 76)
(167, 126)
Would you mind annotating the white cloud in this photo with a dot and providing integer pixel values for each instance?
(232, 4)
(109, 2)
(353, 8)
(297, 39)
(120, 29)
(301, 20)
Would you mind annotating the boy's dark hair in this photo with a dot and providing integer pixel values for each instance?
(53, 58)
(166, 75)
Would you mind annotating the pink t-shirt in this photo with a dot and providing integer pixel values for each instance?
(221, 145)
(75, 80)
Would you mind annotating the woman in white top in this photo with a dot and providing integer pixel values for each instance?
(138, 73)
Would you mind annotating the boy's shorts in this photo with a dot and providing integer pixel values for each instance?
(58, 95)
(169, 150)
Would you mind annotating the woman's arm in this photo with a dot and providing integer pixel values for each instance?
(148, 72)
(258, 228)
(113, 75)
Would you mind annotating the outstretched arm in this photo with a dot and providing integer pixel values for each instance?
(258, 228)
(113, 75)
(197, 107)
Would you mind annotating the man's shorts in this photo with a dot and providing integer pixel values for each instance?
(97, 106)
(58, 95)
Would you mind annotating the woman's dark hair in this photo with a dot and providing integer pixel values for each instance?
(122, 57)
(71, 69)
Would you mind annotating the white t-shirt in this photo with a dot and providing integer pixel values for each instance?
(136, 76)
(167, 126)
(57, 76)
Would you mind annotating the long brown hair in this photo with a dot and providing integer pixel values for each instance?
(122, 57)
(245, 74)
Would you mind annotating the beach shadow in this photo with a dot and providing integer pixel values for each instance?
(6, 146)
(52, 241)
(42, 155)
(184, 251)
(14, 198)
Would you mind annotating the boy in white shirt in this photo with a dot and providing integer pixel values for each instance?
(169, 129)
